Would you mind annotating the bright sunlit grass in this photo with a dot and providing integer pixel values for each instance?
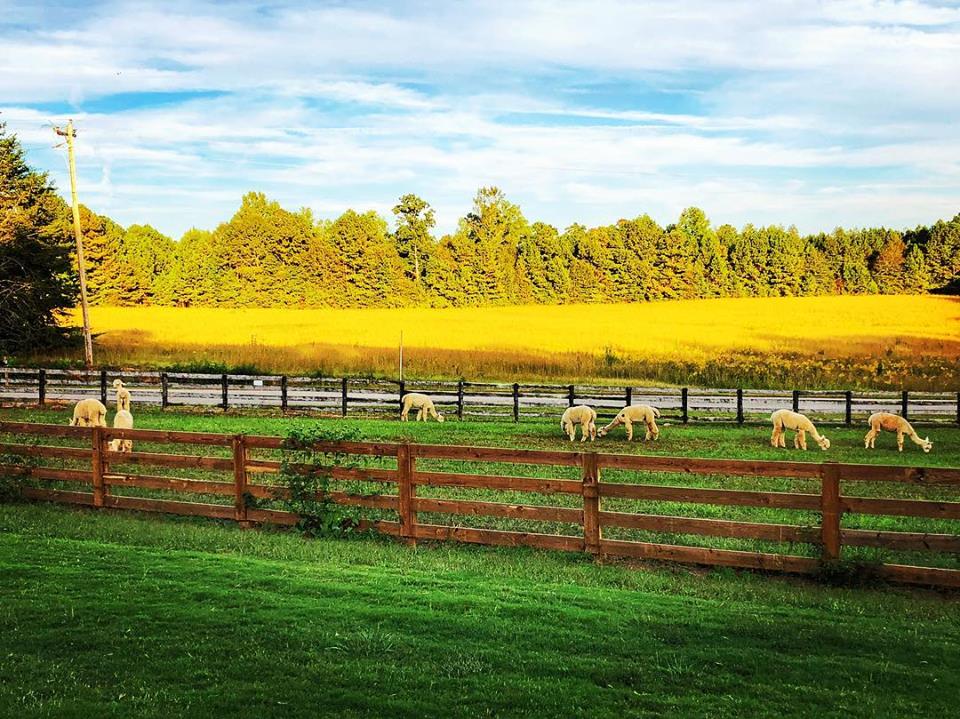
(914, 338)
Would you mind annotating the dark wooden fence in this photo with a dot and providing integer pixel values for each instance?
(356, 396)
(99, 484)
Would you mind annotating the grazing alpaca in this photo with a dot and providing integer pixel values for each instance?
(123, 420)
(585, 416)
(423, 405)
(89, 413)
(123, 395)
(893, 423)
(784, 419)
(636, 413)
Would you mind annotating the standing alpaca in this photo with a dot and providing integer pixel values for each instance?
(123, 420)
(89, 413)
(585, 416)
(784, 419)
(893, 423)
(636, 413)
(423, 405)
(123, 395)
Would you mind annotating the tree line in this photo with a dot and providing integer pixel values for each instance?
(267, 256)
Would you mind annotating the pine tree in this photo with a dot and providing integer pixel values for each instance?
(37, 277)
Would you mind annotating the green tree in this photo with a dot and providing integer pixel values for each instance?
(144, 256)
(943, 254)
(367, 258)
(415, 219)
(916, 277)
(36, 275)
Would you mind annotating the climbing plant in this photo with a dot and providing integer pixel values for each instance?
(306, 471)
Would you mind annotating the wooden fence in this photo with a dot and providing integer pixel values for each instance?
(99, 485)
(358, 396)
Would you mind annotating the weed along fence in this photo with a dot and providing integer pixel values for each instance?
(900, 523)
(354, 396)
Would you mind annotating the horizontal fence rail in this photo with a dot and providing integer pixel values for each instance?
(355, 396)
(106, 474)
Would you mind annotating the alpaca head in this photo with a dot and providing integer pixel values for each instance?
(439, 417)
(927, 445)
(602, 432)
(824, 443)
(117, 383)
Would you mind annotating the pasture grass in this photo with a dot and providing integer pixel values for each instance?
(695, 440)
(838, 342)
(118, 615)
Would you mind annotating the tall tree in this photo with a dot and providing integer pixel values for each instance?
(36, 276)
(943, 255)
(415, 219)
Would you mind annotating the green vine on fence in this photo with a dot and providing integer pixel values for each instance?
(306, 473)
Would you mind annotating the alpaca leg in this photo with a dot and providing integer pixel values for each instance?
(584, 431)
(775, 437)
(899, 440)
(628, 425)
(404, 413)
(868, 439)
(652, 430)
(570, 431)
(593, 431)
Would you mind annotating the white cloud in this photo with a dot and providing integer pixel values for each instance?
(561, 103)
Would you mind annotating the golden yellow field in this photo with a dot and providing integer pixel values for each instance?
(881, 341)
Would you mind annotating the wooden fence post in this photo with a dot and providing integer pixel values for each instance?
(99, 489)
(283, 393)
(164, 390)
(683, 405)
(571, 395)
(407, 491)
(796, 400)
(343, 397)
(830, 511)
(516, 402)
(42, 387)
(958, 408)
(590, 478)
(905, 404)
(403, 388)
(103, 386)
(848, 408)
(739, 406)
(628, 396)
(460, 400)
(239, 444)
(223, 392)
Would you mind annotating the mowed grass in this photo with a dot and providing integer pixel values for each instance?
(696, 440)
(830, 342)
(117, 615)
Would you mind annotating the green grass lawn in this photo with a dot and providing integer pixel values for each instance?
(107, 614)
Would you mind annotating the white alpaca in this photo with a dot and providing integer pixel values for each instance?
(123, 395)
(893, 423)
(585, 416)
(423, 405)
(636, 413)
(784, 419)
(89, 413)
(123, 420)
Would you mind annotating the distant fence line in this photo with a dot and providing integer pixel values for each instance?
(465, 400)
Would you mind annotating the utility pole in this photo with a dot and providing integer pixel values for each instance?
(70, 133)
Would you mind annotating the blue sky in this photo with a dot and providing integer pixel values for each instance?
(816, 114)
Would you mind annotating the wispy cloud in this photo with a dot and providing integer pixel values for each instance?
(816, 114)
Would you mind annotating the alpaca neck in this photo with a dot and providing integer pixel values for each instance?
(915, 438)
